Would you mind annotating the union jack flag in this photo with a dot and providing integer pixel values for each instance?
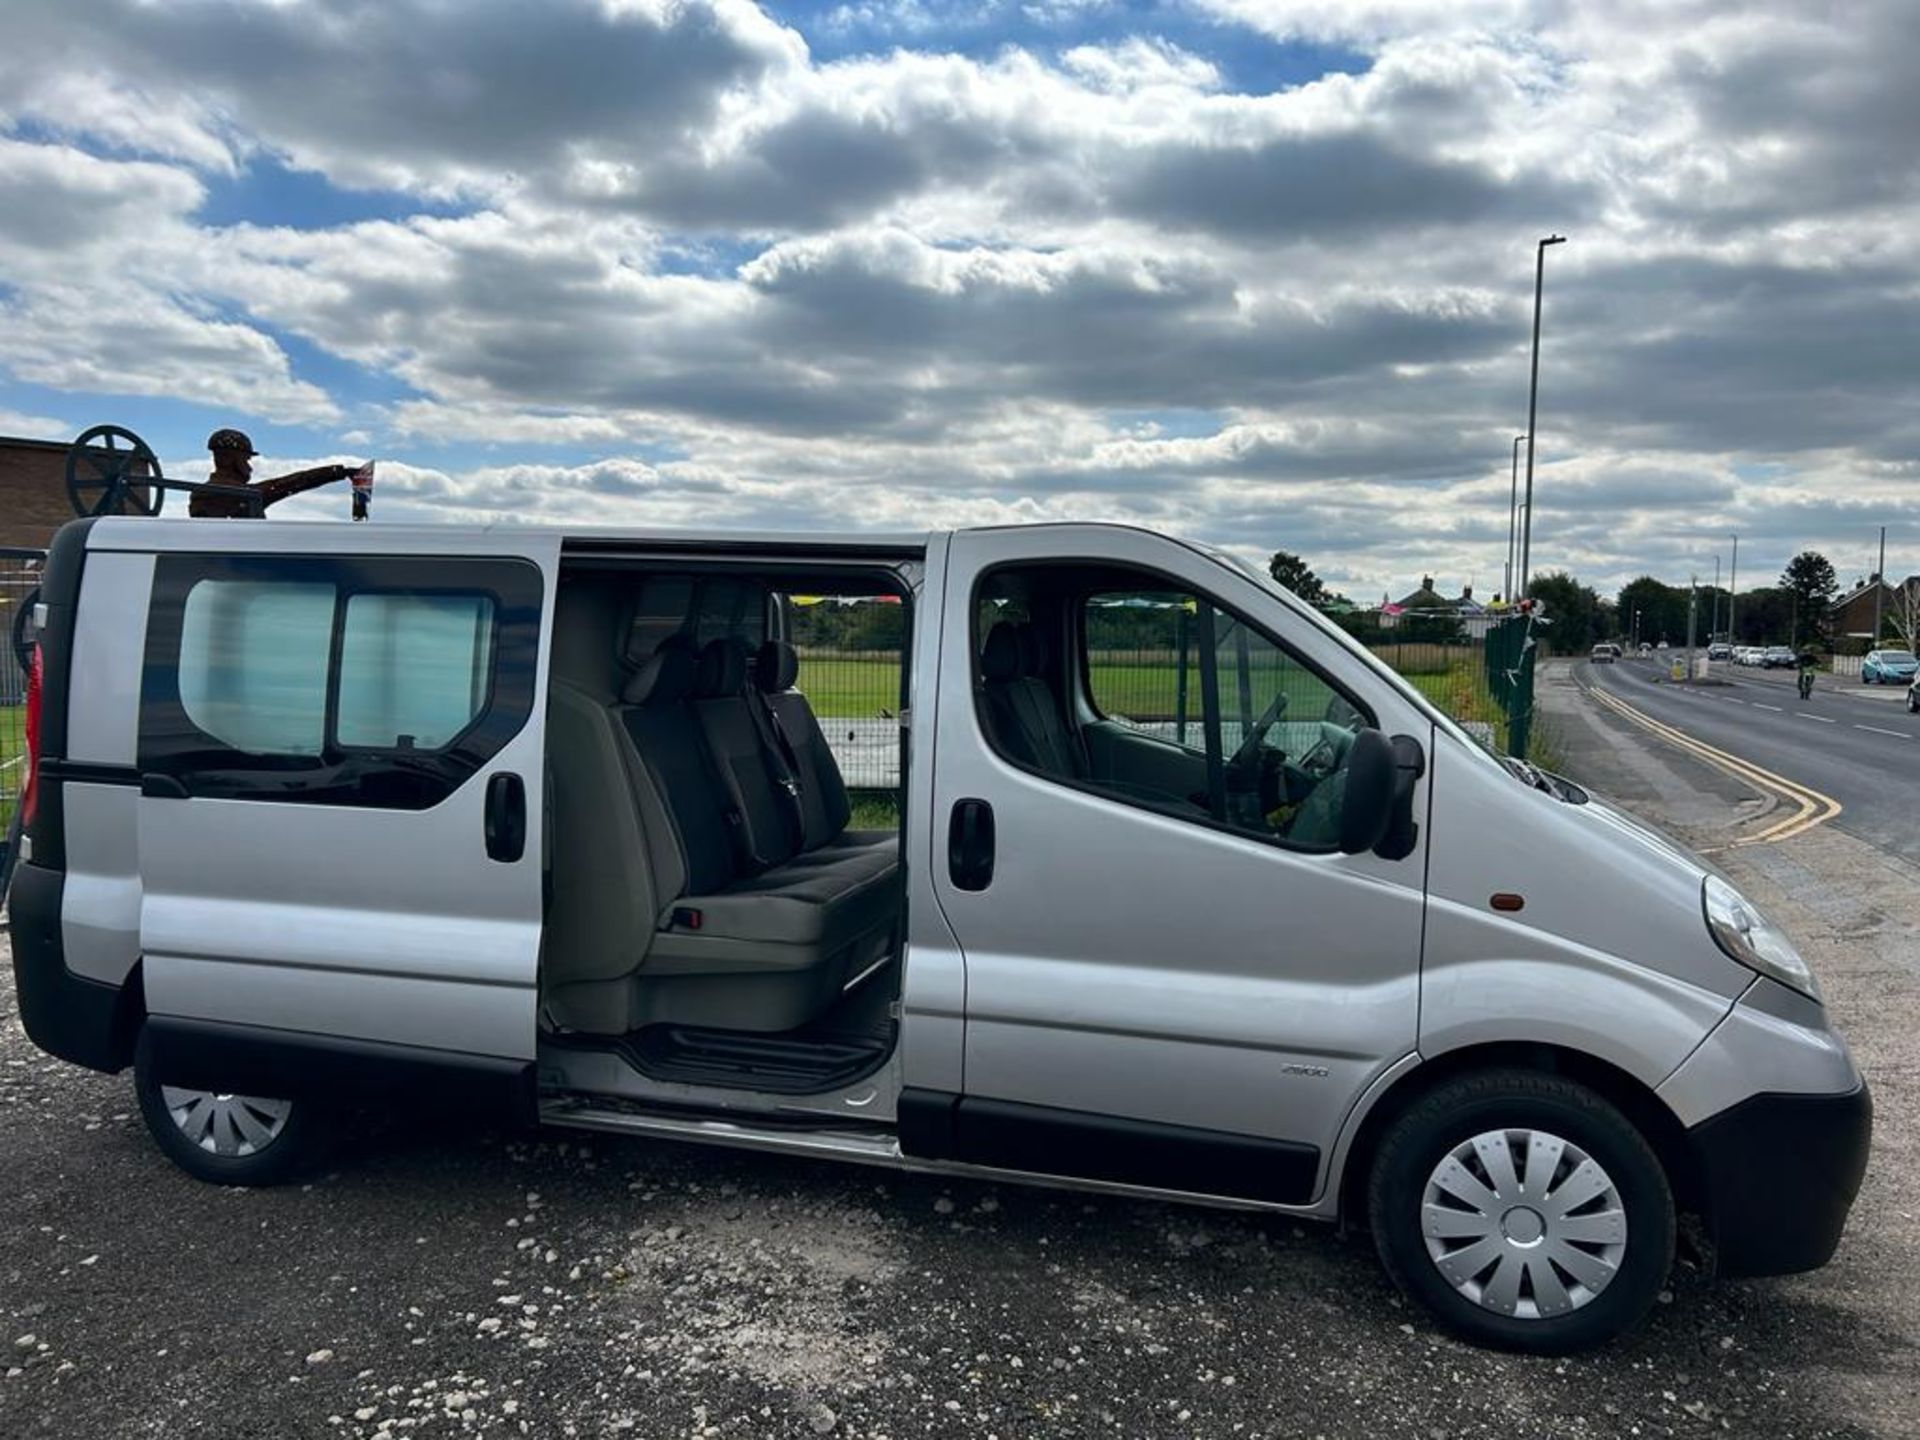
(362, 482)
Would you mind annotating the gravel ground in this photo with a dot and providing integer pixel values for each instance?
(483, 1282)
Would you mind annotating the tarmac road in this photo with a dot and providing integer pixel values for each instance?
(1856, 744)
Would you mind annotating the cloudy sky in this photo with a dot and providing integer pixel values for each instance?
(1254, 271)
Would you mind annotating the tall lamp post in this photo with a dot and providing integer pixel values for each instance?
(1513, 517)
(1733, 589)
(1533, 401)
(1879, 588)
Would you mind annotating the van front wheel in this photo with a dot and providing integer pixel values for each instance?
(1524, 1211)
(226, 1138)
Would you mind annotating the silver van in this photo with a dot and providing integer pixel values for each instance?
(1173, 891)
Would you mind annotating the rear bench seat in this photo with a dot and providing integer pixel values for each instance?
(792, 733)
(754, 929)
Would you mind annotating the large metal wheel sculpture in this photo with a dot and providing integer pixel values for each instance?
(110, 471)
(23, 629)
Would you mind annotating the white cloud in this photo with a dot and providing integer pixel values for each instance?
(1016, 286)
(34, 427)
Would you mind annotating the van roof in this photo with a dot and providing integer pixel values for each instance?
(141, 533)
(132, 532)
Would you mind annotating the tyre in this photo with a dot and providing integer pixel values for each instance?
(1524, 1211)
(227, 1139)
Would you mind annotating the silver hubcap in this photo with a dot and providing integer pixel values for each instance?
(1523, 1223)
(230, 1125)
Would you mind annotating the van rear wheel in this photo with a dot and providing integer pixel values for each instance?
(226, 1138)
(1524, 1210)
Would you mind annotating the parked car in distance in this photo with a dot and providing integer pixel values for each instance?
(543, 821)
(1889, 667)
(1605, 654)
(1777, 657)
(1719, 650)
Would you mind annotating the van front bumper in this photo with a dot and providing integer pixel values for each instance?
(1777, 1175)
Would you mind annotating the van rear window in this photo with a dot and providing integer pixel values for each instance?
(380, 681)
(253, 664)
(413, 669)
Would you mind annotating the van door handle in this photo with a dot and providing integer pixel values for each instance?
(506, 821)
(156, 786)
(970, 845)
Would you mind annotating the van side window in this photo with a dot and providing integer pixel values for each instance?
(659, 610)
(1166, 700)
(381, 681)
(413, 669)
(253, 664)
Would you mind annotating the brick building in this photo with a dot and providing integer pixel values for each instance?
(1853, 612)
(33, 491)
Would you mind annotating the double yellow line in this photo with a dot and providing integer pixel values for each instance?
(1811, 808)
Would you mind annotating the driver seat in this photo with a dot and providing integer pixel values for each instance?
(1023, 712)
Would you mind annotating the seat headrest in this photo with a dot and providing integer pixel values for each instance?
(666, 677)
(775, 667)
(1001, 656)
(723, 668)
(1033, 650)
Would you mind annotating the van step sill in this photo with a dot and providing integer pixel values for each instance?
(871, 1147)
(794, 1064)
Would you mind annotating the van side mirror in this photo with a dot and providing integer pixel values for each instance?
(1367, 806)
(1403, 831)
(1376, 812)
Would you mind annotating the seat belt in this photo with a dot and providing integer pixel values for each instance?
(773, 739)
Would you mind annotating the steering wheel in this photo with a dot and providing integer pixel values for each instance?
(1250, 746)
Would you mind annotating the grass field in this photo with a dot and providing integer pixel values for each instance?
(13, 744)
(849, 687)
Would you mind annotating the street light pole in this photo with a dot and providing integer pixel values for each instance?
(1513, 517)
(1879, 588)
(1713, 630)
(1733, 589)
(1533, 400)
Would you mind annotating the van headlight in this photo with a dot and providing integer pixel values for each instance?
(1748, 936)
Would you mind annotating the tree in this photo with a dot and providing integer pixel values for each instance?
(1764, 617)
(1662, 609)
(1572, 608)
(1809, 578)
(1903, 614)
(1291, 571)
